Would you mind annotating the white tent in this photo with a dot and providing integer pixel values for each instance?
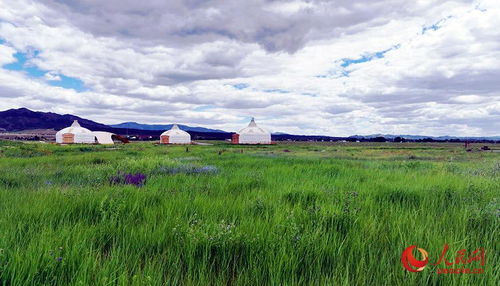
(75, 134)
(103, 137)
(252, 134)
(175, 136)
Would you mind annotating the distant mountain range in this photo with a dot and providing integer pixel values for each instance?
(25, 119)
(139, 126)
(422, 137)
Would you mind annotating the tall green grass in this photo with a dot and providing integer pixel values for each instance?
(320, 214)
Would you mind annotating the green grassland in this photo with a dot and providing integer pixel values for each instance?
(287, 214)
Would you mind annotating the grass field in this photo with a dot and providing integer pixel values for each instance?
(289, 214)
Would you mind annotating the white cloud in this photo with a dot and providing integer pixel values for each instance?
(51, 76)
(146, 61)
(7, 55)
(289, 7)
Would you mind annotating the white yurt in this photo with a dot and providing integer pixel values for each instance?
(252, 134)
(175, 136)
(104, 137)
(75, 134)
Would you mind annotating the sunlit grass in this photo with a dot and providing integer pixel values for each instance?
(287, 214)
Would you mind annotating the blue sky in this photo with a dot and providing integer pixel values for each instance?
(366, 57)
(24, 65)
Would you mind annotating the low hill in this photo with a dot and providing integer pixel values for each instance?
(14, 120)
(140, 126)
(25, 119)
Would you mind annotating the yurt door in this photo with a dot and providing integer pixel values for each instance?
(164, 139)
(235, 139)
(68, 138)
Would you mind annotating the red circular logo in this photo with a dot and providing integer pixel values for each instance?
(411, 263)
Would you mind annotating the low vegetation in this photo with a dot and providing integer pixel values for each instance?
(290, 214)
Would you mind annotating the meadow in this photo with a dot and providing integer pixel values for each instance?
(286, 214)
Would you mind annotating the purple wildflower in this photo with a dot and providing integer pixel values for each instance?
(135, 179)
(129, 179)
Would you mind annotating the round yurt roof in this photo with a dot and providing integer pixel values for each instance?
(175, 131)
(75, 128)
(252, 128)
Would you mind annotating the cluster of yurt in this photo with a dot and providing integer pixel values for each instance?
(78, 134)
(252, 134)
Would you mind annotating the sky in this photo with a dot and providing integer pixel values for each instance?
(338, 67)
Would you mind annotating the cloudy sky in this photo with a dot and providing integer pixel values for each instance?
(338, 67)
